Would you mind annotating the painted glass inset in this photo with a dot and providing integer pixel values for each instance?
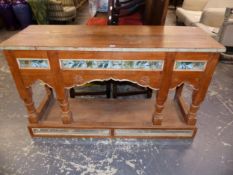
(33, 63)
(153, 133)
(68, 131)
(112, 64)
(190, 65)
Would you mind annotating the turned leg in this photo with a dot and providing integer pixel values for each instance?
(160, 100)
(59, 87)
(200, 90)
(27, 98)
(196, 101)
(66, 114)
(188, 113)
(24, 92)
(163, 91)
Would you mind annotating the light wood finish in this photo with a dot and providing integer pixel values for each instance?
(164, 88)
(168, 44)
(114, 114)
(61, 93)
(138, 38)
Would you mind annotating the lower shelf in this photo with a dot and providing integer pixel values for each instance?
(113, 118)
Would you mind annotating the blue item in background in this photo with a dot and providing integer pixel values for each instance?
(22, 12)
(8, 16)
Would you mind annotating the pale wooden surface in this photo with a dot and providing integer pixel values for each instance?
(113, 38)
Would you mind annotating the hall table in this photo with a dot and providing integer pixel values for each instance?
(161, 58)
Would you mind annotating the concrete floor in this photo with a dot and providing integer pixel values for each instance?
(209, 153)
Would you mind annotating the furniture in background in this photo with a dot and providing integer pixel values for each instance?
(191, 12)
(61, 10)
(39, 10)
(126, 88)
(79, 3)
(166, 60)
(211, 20)
(86, 89)
(175, 3)
(128, 12)
(155, 12)
(22, 12)
(8, 15)
(225, 36)
(208, 15)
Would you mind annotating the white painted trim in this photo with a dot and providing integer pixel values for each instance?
(114, 79)
(110, 49)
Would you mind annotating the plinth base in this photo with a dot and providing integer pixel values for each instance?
(113, 118)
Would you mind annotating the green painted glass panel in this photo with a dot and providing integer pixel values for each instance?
(33, 63)
(112, 64)
(190, 65)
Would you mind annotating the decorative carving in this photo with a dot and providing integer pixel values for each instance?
(79, 79)
(145, 80)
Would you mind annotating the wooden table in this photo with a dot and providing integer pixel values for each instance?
(162, 58)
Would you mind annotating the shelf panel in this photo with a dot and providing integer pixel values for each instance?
(113, 118)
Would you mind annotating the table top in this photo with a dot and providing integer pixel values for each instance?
(113, 38)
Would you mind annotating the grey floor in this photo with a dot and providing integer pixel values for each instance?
(209, 153)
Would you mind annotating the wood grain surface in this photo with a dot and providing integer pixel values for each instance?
(72, 37)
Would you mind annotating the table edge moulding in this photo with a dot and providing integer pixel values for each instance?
(158, 57)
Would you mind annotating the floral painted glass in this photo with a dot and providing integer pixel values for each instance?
(33, 63)
(112, 64)
(190, 65)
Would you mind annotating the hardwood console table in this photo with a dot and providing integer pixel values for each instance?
(161, 58)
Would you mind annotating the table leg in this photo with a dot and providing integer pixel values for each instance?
(200, 91)
(24, 92)
(59, 87)
(191, 116)
(28, 101)
(160, 100)
(62, 98)
(163, 91)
